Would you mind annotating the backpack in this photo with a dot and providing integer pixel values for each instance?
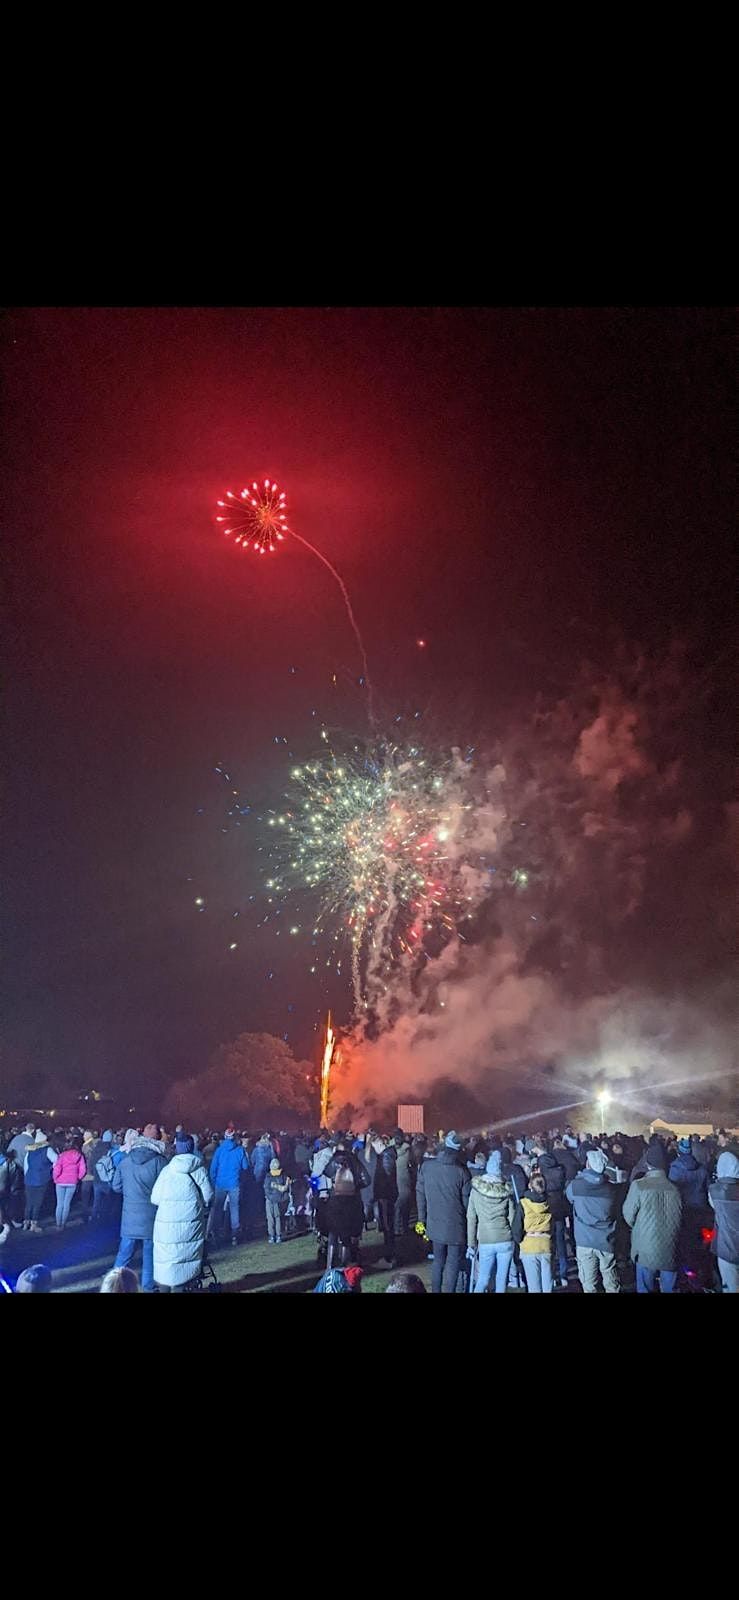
(105, 1168)
(345, 1182)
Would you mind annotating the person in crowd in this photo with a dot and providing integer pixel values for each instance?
(532, 1230)
(21, 1142)
(211, 1142)
(490, 1211)
(723, 1196)
(554, 1180)
(103, 1174)
(515, 1173)
(276, 1188)
(442, 1194)
(593, 1202)
(38, 1160)
(11, 1190)
(382, 1166)
(654, 1147)
(653, 1211)
(261, 1157)
(691, 1179)
(617, 1173)
(226, 1168)
(403, 1181)
(120, 1280)
(135, 1178)
(92, 1151)
(37, 1279)
(342, 1213)
(565, 1157)
(68, 1170)
(405, 1283)
(181, 1194)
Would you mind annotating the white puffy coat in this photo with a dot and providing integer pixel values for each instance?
(182, 1193)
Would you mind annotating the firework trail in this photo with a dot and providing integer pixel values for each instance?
(257, 519)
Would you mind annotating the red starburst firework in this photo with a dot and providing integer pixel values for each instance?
(256, 518)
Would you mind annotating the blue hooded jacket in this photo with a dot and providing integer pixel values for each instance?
(228, 1163)
(692, 1181)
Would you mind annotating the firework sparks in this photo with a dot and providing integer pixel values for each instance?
(382, 839)
(256, 518)
(326, 1061)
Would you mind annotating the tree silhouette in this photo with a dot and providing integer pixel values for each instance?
(253, 1076)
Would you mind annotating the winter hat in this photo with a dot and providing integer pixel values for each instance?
(358, 1144)
(727, 1165)
(108, 1136)
(453, 1141)
(274, 1166)
(493, 1164)
(184, 1145)
(656, 1158)
(596, 1161)
(685, 1147)
(354, 1276)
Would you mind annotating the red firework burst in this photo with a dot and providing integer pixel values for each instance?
(257, 517)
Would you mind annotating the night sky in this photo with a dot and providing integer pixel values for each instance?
(520, 488)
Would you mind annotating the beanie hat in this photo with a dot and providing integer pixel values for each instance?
(727, 1165)
(453, 1141)
(596, 1161)
(684, 1146)
(108, 1136)
(184, 1145)
(656, 1158)
(493, 1164)
(354, 1276)
(274, 1166)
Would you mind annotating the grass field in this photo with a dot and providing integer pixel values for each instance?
(81, 1255)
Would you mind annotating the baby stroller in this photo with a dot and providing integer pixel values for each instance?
(206, 1281)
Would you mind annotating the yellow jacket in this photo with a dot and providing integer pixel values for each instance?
(537, 1226)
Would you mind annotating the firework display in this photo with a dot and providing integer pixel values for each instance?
(256, 518)
(380, 846)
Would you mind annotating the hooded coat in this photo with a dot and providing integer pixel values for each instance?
(594, 1204)
(69, 1168)
(442, 1193)
(653, 1210)
(724, 1197)
(692, 1181)
(134, 1178)
(181, 1195)
(228, 1163)
(490, 1211)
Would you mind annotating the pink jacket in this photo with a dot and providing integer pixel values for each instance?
(69, 1167)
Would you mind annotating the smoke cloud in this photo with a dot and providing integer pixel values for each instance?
(597, 946)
